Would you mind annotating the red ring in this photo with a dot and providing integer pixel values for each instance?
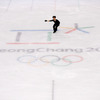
(81, 58)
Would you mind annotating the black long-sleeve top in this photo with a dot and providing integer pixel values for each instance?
(57, 22)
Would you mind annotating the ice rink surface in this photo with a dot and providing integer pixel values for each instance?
(36, 64)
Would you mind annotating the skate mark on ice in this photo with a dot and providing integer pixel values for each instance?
(32, 5)
(8, 5)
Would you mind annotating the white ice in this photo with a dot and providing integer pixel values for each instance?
(23, 76)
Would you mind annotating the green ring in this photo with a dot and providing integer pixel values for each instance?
(70, 62)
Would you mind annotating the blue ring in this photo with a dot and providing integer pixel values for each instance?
(18, 59)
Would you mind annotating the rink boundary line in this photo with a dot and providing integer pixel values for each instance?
(33, 43)
(53, 89)
(30, 30)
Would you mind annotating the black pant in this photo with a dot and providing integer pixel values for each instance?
(55, 27)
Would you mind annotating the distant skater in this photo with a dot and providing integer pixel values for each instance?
(56, 23)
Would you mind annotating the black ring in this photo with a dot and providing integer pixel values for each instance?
(58, 58)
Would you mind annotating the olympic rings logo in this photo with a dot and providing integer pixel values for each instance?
(50, 59)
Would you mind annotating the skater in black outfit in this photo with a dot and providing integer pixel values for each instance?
(56, 23)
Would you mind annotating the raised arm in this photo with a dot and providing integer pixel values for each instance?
(48, 20)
